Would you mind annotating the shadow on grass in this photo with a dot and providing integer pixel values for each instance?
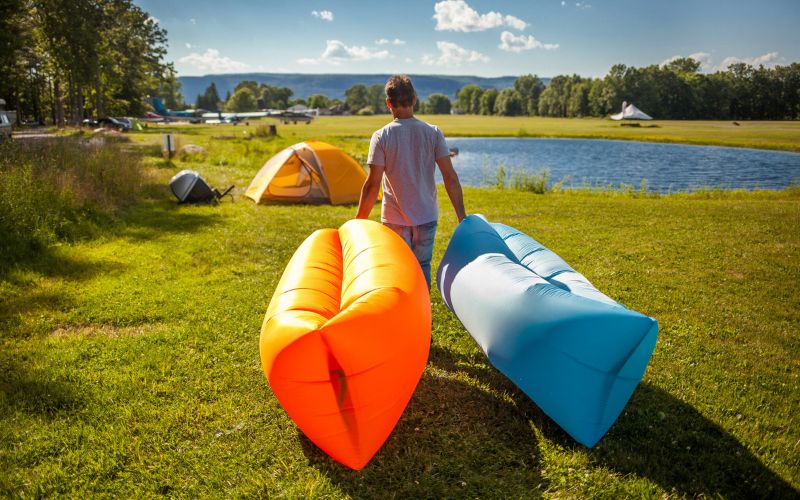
(157, 217)
(33, 391)
(24, 301)
(454, 439)
(684, 452)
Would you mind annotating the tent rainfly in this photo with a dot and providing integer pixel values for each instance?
(631, 112)
(308, 172)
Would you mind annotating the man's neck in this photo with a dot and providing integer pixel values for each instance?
(403, 113)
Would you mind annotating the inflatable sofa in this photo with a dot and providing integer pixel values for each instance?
(575, 352)
(346, 337)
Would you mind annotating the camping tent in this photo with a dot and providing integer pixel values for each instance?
(631, 112)
(308, 172)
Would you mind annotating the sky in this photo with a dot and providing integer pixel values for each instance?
(472, 37)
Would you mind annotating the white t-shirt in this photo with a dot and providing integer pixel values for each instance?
(408, 149)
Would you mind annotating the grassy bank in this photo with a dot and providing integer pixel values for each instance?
(129, 361)
(752, 134)
(60, 190)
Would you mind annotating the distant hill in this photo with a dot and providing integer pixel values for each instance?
(334, 85)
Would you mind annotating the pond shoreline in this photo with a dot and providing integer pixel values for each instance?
(607, 163)
(787, 148)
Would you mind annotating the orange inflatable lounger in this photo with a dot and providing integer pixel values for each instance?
(346, 337)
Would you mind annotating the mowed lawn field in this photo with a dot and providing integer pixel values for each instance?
(129, 363)
(783, 135)
(754, 134)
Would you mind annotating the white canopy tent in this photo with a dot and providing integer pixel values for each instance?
(631, 112)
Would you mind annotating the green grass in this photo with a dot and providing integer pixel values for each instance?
(781, 135)
(129, 361)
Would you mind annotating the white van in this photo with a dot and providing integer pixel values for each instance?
(5, 127)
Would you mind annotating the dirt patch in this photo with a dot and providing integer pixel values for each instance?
(103, 330)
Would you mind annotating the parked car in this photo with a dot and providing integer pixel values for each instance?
(5, 127)
(119, 124)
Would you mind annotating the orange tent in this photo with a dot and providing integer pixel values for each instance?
(346, 337)
(308, 172)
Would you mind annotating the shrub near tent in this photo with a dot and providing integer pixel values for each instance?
(308, 172)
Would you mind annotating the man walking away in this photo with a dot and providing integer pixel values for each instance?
(402, 159)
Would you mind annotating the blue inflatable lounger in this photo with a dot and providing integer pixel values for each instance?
(575, 352)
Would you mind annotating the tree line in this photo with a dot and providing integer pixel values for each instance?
(675, 90)
(359, 99)
(66, 60)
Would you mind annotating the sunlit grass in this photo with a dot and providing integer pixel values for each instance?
(783, 135)
(129, 362)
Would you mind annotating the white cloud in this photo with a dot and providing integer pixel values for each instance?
(456, 15)
(193, 21)
(512, 43)
(325, 15)
(212, 62)
(563, 3)
(452, 55)
(583, 5)
(767, 60)
(337, 52)
(409, 60)
(707, 62)
(384, 41)
(188, 45)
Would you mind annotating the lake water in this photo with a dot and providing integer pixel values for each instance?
(599, 162)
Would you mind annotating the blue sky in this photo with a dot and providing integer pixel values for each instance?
(475, 37)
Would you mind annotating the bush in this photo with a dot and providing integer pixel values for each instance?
(58, 190)
(500, 178)
(533, 182)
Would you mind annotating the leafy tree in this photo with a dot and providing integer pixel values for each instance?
(376, 98)
(70, 59)
(209, 100)
(318, 101)
(529, 87)
(250, 84)
(468, 98)
(437, 104)
(243, 99)
(578, 101)
(508, 103)
(601, 98)
(169, 89)
(487, 102)
(274, 97)
(683, 65)
(356, 97)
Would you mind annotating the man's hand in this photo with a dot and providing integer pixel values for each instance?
(369, 191)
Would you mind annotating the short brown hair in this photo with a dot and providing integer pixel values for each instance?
(400, 91)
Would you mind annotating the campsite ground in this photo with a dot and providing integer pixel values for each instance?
(129, 361)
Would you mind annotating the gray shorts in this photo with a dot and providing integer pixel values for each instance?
(420, 239)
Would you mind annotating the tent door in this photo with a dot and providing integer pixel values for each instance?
(293, 180)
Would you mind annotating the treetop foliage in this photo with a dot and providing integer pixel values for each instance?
(65, 60)
(676, 90)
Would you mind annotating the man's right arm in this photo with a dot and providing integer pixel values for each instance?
(453, 186)
(369, 191)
